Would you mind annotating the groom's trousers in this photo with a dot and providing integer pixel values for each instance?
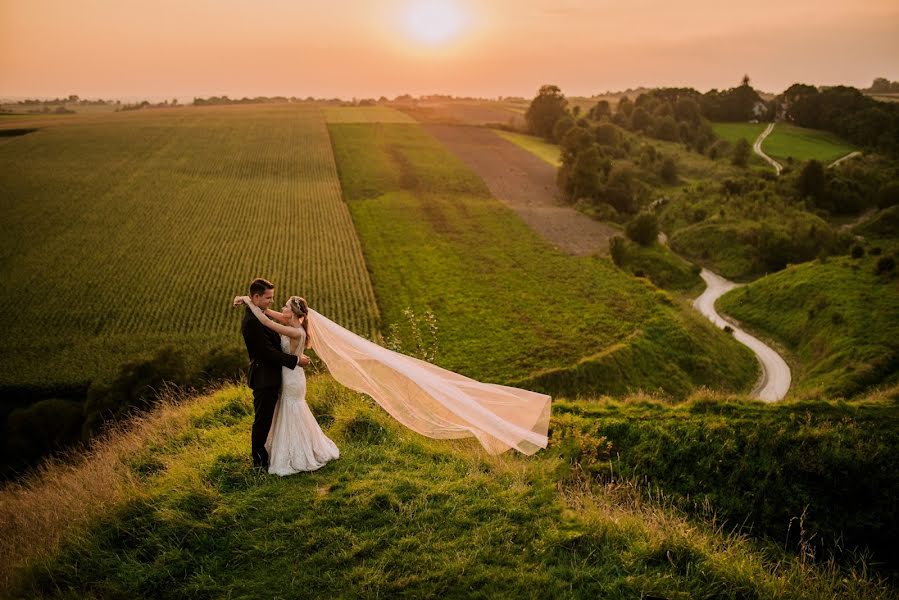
(264, 402)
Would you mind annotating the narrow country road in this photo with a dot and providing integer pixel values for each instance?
(776, 378)
(842, 158)
(758, 148)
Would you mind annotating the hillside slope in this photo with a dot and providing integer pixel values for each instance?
(171, 509)
(839, 318)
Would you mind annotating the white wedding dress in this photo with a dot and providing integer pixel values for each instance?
(295, 441)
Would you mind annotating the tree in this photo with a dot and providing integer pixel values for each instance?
(545, 109)
(641, 120)
(585, 181)
(740, 156)
(643, 229)
(812, 180)
(562, 127)
(602, 109)
(608, 135)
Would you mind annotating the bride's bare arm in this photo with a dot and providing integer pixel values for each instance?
(290, 332)
(273, 314)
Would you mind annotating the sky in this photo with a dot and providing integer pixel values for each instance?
(487, 48)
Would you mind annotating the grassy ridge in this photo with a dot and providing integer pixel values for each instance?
(838, 318)
(760, 466)
(134, 229)
(789, 141)
(395, 514)
(510, 308)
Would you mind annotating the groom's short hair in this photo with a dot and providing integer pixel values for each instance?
(259, 285)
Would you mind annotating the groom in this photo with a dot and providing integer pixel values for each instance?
(266, 360)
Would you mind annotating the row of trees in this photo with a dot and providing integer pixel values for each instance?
(846, 112)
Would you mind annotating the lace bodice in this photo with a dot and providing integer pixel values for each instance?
(301, 343)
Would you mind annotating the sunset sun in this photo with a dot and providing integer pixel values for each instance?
(434, 22)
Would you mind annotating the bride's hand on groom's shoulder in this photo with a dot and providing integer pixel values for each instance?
(238, 300)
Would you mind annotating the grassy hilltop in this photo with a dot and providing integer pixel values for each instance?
(170, 508)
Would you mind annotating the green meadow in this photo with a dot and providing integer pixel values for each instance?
(732, 132)
(801, 144)
(509, 307)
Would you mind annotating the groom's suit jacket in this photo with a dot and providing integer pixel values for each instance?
(266, 357)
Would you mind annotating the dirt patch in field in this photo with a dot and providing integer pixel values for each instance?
(527, 185)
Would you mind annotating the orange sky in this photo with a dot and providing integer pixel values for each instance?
(166, 48)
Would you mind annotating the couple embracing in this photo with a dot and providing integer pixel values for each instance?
(428, 399)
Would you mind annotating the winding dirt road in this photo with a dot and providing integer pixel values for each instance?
(776, 378)
(757, 147)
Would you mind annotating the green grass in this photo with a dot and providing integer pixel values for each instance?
(662, 266)
(743, 235)
(127, 231)
(509, 307)
(838, 318)
(801, 144)
(731, 132)
(544, 150)
(396, 514)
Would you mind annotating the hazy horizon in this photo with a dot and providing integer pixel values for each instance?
(103, 49)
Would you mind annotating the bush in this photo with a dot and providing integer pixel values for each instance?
(885, 264)
(42, 428)
(617, 247)
(226, 363)
(888, 195)
(857, 251)
(740, 156)
(136, 387)
(643, 229)
(668, 170)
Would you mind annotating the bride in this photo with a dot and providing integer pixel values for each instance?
(295, 441)
(430, 400)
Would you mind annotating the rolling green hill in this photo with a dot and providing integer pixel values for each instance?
(838, 318)
(171, 508)
(509, 307)
(801, 144)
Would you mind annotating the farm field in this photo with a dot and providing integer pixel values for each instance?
(365, 114)
(466, 112)
(789, 141)
(509, 307)
(133, 230)
(550, 153)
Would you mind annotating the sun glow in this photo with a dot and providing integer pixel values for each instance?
(435, 22)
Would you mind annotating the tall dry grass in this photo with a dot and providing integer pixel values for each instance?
(61, 496)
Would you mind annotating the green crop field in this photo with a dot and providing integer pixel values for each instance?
(131, 230)
(798, 143)
(509, 307)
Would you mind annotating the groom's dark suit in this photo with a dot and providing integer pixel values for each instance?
(264, 378)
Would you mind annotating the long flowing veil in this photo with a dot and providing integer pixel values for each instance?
(434, 402)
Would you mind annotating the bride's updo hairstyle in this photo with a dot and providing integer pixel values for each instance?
(300, 309)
